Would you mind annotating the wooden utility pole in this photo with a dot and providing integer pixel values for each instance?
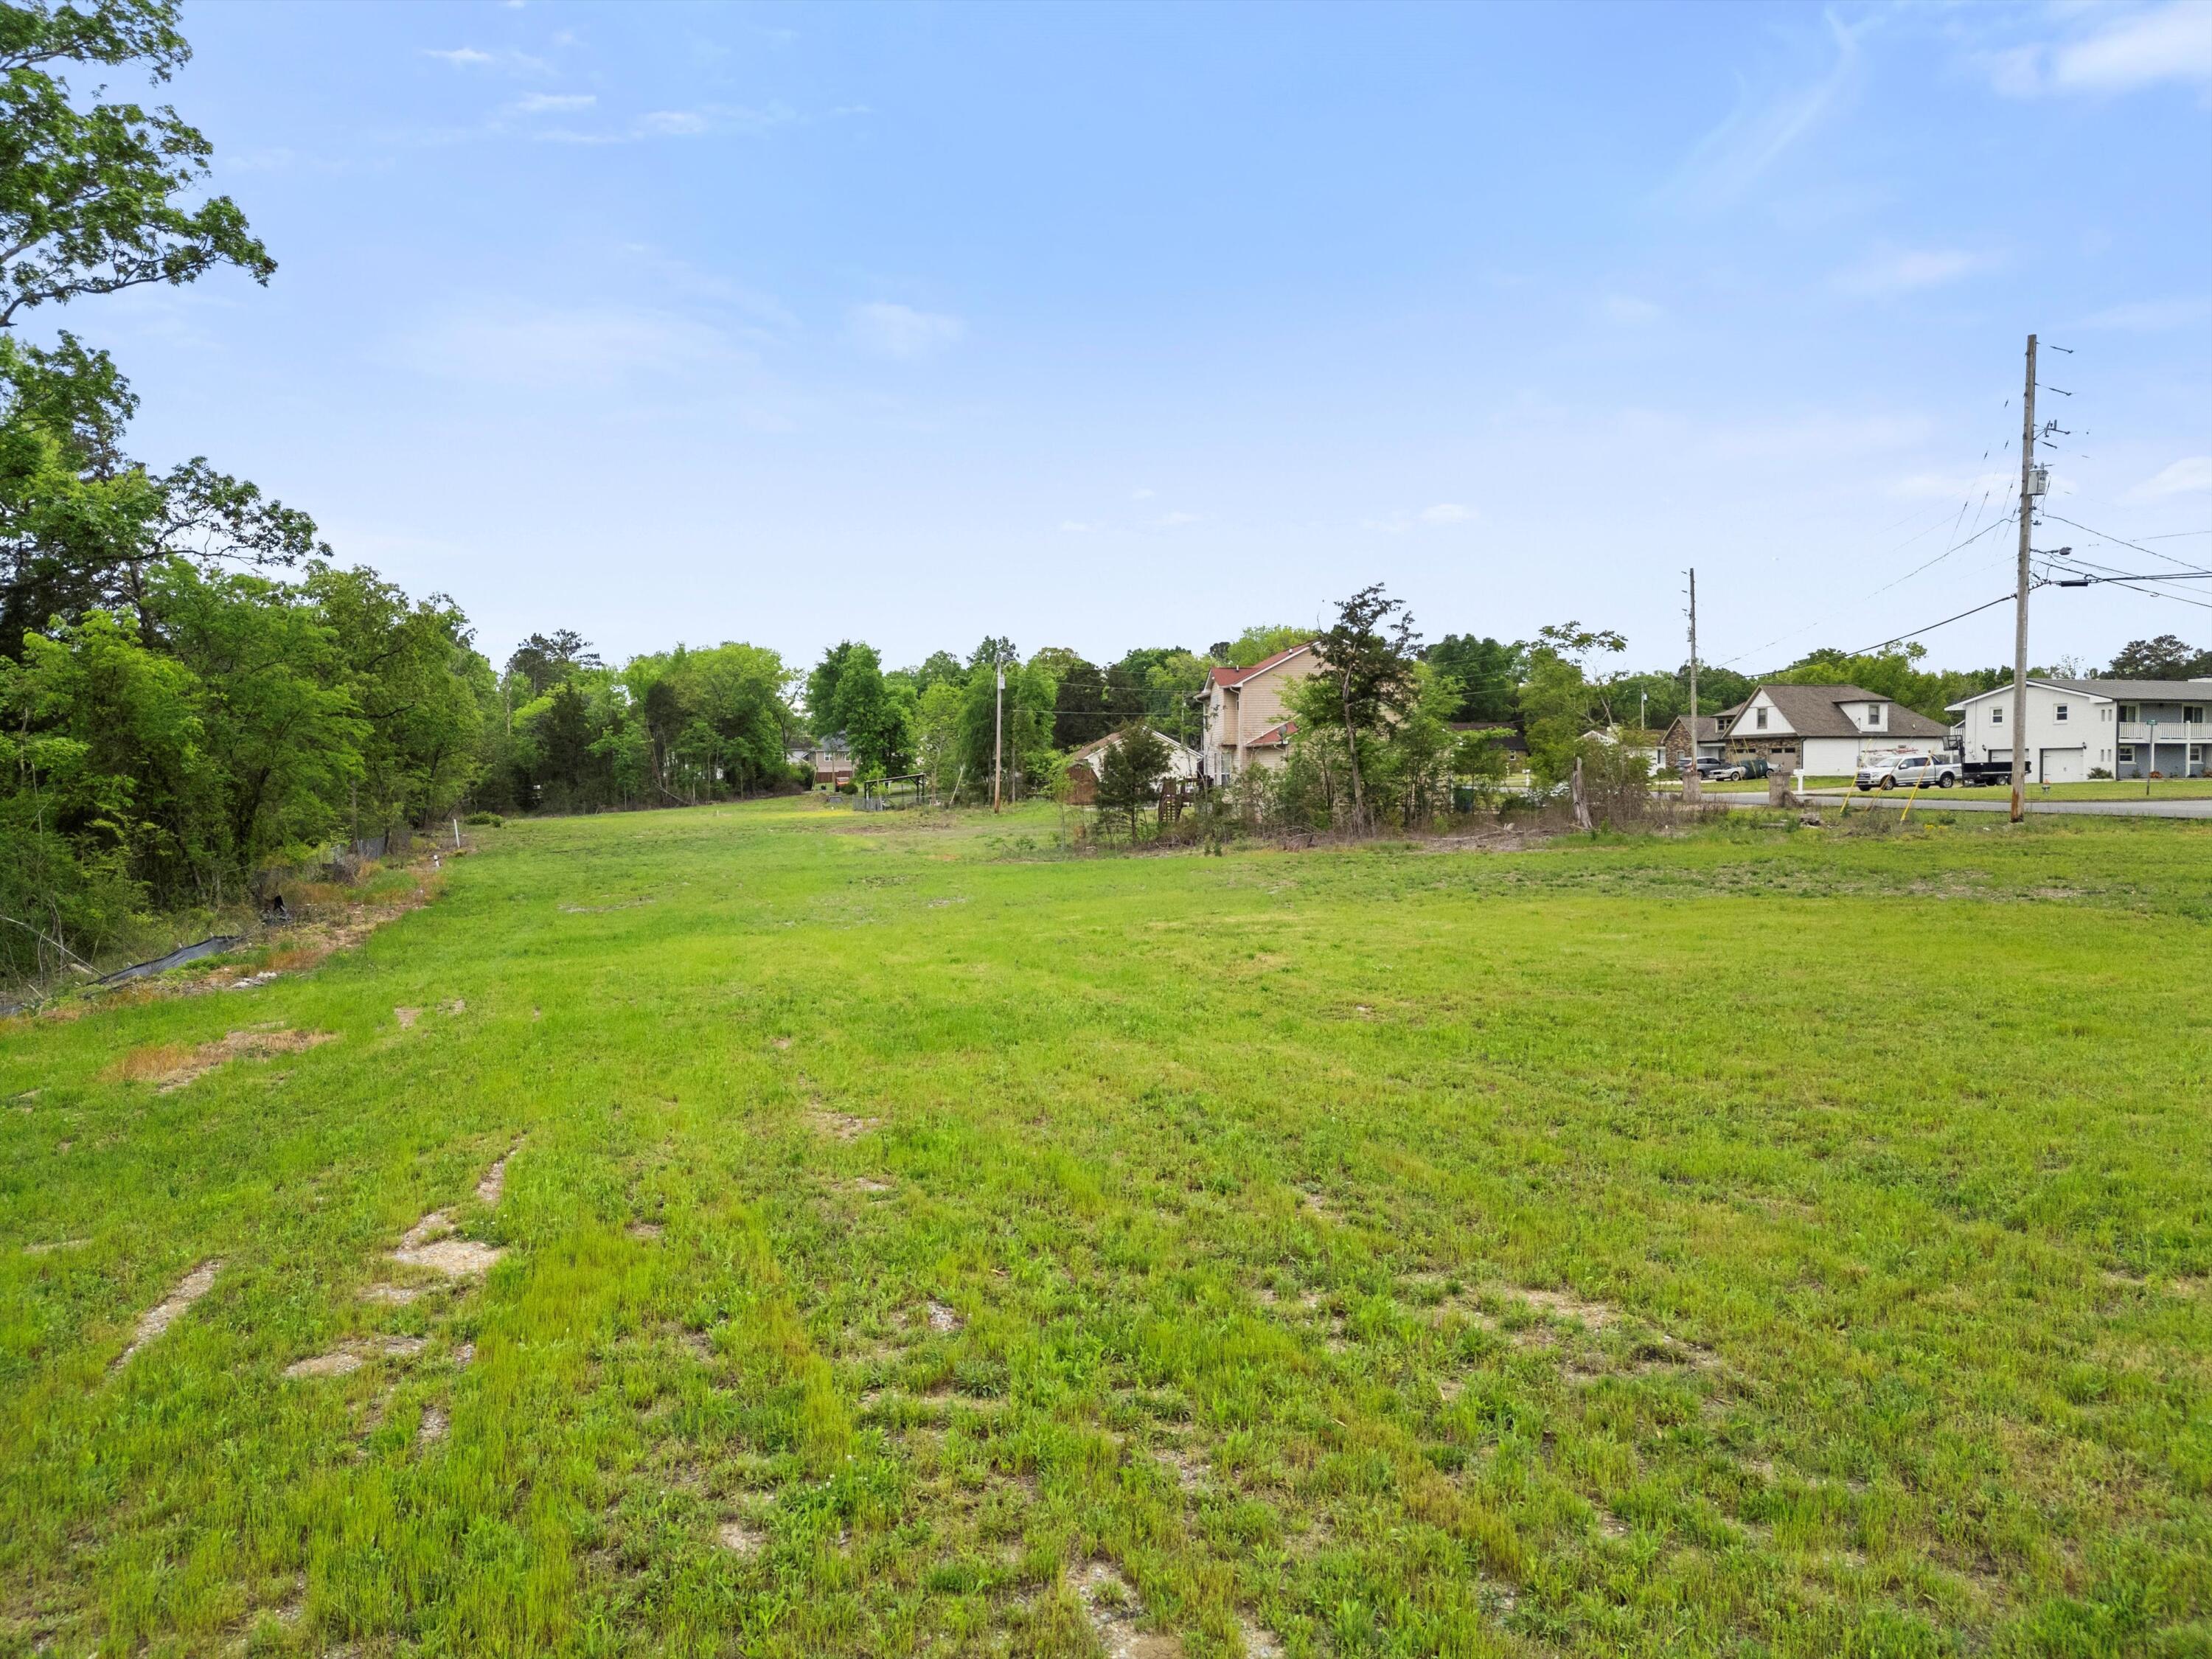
(1693, 785)
(998, 734)
(2019, 599)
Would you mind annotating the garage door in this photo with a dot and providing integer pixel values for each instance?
(2064, 766)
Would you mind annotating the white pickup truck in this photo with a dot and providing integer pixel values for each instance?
(1906, 771)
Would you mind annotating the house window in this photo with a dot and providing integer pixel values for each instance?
(2127, 751)
(2193, 714)
(2131, 712)
(1873, 714)
(1997, 716)
(1761, 718)
(2062, 713)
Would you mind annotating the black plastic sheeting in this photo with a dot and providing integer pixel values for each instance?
(176, 959)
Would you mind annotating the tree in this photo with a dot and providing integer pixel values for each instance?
(1487, 670)
(544, 660)
(91, 198)
(1129, 772)
(1258, 644)
(2165, 657)
(1368, 658)
(1078, 706)
(1557, 699)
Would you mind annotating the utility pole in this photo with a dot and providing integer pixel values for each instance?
(998, 734)
(2020, 600)
(1691, 784)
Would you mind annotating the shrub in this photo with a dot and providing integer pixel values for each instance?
(485, 820)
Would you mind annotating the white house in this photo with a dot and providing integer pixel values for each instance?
(1182, 759)
(1244, 720)
(1826, 730)
(2125, 728)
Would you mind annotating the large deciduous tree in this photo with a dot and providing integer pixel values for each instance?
(96, 197)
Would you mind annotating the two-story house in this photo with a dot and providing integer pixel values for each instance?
(1245, 720)
(2123, 728)
(1826, 730)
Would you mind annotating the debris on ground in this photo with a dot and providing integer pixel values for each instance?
(194, 1285)
(943, 1319)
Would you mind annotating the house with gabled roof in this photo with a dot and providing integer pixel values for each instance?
(2077, 728)
(1087, 765)
(1826, 730)
(1244, 714)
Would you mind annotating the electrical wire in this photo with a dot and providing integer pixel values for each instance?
(2124, 542)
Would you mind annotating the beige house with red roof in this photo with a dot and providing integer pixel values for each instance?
(1245, 720)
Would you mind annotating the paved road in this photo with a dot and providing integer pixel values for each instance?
(1942, 803)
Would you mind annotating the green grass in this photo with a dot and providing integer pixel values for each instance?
(1775, 1242)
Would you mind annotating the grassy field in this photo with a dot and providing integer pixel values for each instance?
(1774, 1241)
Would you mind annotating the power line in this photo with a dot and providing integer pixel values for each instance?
(2124, 542)
(1868, 650)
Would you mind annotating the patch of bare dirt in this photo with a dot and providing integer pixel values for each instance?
(53, 1244)
(170, 1066)
(865, 1184)
(1110, 1602)
(494, 1183)
(434, 1424)
(406, 1016)
(1562, 1304)
(842, 1126)
(426, 1245)
(602, 909)
(741, 1537)
(350, 1356)
(398, 1296)
(943, 1319)
(646, 1232)
(158, 1318)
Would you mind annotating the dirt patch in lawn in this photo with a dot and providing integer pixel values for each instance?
(494, 1184)
(842, 1125)
(941, 1319)
(426, 1244)
(741, 1537)
(158, 1318)
(349, 1356)
(1110, 1602)
(169, 1066)
(406, 1016)
(433, 1428)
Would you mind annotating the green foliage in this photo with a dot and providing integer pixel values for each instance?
(543, 661)
(2165, 658)
(1129, 771)
(1257, 644)
(1488, 671)
(848, 696)
(92, 196)
(1896, 674)
(1558, 701)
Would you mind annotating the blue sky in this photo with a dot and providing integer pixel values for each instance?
(1119, 325)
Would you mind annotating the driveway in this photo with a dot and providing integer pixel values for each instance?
(2122, 809)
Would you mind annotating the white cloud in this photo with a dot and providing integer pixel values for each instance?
(2148, 316)
(1171, 520)
(1905, 270)
(511, 63)
(672, 123)
(887, 330)
(546, 348)
(1728, 161)
(1627, 309)
(539, 103)
(1447, 512)
(2187, 476)
(2172, 43)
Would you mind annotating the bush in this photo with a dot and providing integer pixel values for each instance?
(849, 788)
(485, 820)
(2098, 774)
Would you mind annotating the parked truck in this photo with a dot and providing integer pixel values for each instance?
(1928, 771)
